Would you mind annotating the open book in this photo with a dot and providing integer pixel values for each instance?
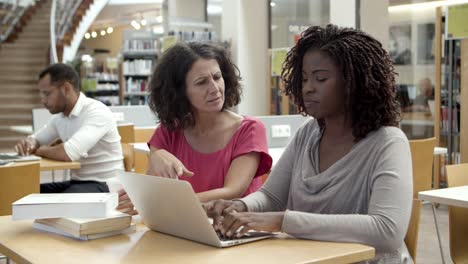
(54, 230)
(74, 205)
(88, 226)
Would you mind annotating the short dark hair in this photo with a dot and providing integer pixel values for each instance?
(59, 73)
(367, 69)
(168, 98)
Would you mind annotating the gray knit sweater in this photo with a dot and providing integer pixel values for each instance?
(365, 197)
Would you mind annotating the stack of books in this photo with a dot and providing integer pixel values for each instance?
(82, 216)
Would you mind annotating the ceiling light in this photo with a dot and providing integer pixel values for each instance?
(87, 35)
(135, 24)
(93, 34)
(158, 30)
(103, 32)
(143, 22)
(110, 30)
(272, 4)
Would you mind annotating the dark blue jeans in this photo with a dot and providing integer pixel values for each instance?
(74, 187)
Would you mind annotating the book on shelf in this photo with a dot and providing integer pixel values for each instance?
(75, 205)
(44, 227)
(88, 226)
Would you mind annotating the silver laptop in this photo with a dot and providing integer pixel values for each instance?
(170, 206)
(13, 156)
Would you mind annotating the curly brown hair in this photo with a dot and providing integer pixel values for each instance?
(368, 72)
(168, 98)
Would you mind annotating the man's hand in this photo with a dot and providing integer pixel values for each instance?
(27, 146)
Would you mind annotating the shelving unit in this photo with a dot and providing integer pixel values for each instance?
(139, 55)
(451, 97)
(100, 80)
(280, 103)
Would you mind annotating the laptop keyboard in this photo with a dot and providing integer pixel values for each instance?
(225, 238)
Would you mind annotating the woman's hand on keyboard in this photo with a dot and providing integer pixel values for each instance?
(217, 209)
(236, 224)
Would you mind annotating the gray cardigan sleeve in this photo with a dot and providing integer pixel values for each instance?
(383, 227)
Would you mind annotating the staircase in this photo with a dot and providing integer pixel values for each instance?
(21, 61)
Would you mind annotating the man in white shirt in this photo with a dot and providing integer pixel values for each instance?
(86, 128)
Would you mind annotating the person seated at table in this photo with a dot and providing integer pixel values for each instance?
(426, 93)
(346, 176)
(222, 154)
(86, 128)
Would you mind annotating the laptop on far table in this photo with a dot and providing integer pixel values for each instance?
(170, 206)
(14, 157)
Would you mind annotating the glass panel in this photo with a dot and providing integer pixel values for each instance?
(411, 46)
(290, 17)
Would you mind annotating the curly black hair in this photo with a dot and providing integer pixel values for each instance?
(368, 72)
(168, 98)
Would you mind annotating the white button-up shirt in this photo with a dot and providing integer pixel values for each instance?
(90, 136)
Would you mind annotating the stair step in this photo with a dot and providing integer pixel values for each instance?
(25, 45)
(16, 119)
(22, 61)
(12, 109)
(44, 41)
(19, 87)
(23, 69)
(9, 131)
(17, 77)
(23, 98)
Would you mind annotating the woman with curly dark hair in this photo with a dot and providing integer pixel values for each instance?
(199, 140)
(346, 176)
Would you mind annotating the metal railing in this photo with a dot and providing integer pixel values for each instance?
(61, 18)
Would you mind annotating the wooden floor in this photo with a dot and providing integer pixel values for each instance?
(428, 247)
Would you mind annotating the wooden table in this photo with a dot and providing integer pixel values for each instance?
(454, 196)
(51, 165)
(23, 244)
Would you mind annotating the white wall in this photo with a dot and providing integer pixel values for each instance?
(343, 13)
(374, 19)
(244, 24)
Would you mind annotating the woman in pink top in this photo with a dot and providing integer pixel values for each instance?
(219, 152)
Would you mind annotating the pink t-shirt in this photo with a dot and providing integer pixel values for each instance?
(210, 169)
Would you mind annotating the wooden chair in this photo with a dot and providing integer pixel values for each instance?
(457, 175)
(17, 181)
(141, 159)
(422, 155)
(127, 136)
(411, 238)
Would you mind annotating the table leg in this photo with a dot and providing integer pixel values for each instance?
(438, 233)
(436, 180)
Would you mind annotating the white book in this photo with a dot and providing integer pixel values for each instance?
(72, 205)
(88, 226)
(51, 229)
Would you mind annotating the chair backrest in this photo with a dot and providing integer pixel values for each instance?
(457, 175)
(422, 155)
(411, 238)
(127, 135)
(142, 134)
(17, 181)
